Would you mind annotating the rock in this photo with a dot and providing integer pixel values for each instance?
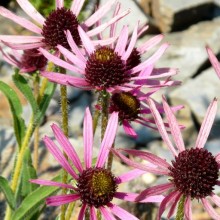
(173, 15)
(146, 6)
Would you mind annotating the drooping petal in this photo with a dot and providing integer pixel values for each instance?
(122, 41)
(173, 206)
(82, 212)
(21, 39)
(214, 61)
(24, 46)
(132, 197)
(99, 13)
(121, 213)
(107, 215)
(52, 183)
(31, 11)
(161, 127)
(77, 6)
(174, 127)
(51, 146)
(67, 147)
(92, 213)
(188, 209)
(211, 211)
(60, 62)
(88, 138)
(216, 199)
(108, 139)
(61, 199)
(206, 125)
(21, 21)
(130, 175)
(87, 43)
(128, 129)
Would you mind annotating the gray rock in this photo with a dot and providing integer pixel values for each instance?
(172, 15)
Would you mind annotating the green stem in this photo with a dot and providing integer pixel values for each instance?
(64, 111)
(180, 209)
(70, 210)
(96, 114)
(110, 159)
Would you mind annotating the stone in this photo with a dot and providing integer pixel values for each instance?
(174, 15)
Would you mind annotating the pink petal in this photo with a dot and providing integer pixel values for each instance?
(132, 197)
(88, 138)
(73, 58)
(148, 168)
(216, 199)
(21, 39)
(206, 124)
(51, 146)
(166, 202)
(161, 127)
(173, 206)
(67, 147)
(24, 46)
(77, 6)
(74, 47)
(130, 175)
(21, 21)
(52, 183)
(61, 199)
(151, 60)
(82, 212)
(99, 13)
(121, 213)
(87, 43)
(155, 190)
(214, 61)
(107, 215)
(60, 62)
(174, 127)
(128, 129)
(92, 213)
(113, 26)
(59, 3)
(104, 42)
(211, 211)
(150, 43)
(108, 139)
(122, 41)
(188, 209)
(131, 44)
(31, 11)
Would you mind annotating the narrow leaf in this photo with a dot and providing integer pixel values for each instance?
(9, 195)
(16, 109)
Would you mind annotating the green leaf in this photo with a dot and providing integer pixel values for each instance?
(9, 195)
(23, 86)
(28, 172)
(34, 200)
(16, 109)
(45, 102)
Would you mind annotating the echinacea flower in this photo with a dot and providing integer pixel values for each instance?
(50, 31)
(193, 173)
(95, 186)
(214, 61)
(114, 67)
(28, 62)
(132, 107)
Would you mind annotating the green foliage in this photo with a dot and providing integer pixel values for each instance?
(16, 110)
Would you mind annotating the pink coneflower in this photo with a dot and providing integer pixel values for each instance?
(95, 186)
(50, 31)
(115, 67)
(132, 107)
(28, 62)
(193, 173)
(214, 61)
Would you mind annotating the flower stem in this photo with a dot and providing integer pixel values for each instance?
(97, 114)
(70, 210)
(64, 112)
(110, 159)
(180, 209)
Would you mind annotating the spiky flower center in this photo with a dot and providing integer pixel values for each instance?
(59, 21)
(133, 60)
(105, 69)
(96, 186)
(195, 173)
(32, 60)
(126, 104)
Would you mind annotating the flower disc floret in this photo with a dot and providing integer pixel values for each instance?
(105, 69)
(59, 21)
(96, 186)
(126, 104)
(134, 59)
(195, 173)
